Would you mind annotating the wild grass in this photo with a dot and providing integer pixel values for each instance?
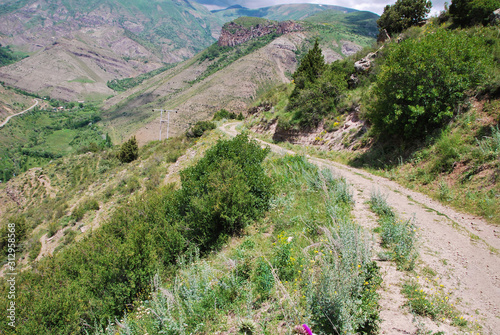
(305, 262)
(398, 236)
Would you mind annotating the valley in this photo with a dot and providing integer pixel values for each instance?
(356, 194)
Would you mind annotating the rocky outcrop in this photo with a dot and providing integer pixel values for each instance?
(365, 63)
(234, 34)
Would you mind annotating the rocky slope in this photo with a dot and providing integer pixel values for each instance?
(77, 47)
(233, 34)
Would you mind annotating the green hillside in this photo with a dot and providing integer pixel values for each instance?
(428, 107)
(278, 12)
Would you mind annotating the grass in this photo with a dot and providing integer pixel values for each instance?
(305, 262)
(398, 236)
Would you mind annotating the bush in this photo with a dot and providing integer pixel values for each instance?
(225, 190)
(199, 128)
(424, 80)
(224, 114)
(129, 151)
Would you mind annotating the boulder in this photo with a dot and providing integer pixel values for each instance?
(365, 63)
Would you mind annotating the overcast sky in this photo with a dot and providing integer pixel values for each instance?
(375, 6)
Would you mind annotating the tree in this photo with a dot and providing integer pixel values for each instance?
(471, 12)
(129, 151)
(311, 67)
(403, 15)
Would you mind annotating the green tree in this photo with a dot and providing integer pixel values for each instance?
(311, 67)
(129, 151)
(403, 15)
(471, 12)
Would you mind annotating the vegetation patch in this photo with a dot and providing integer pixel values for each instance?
(398, 236)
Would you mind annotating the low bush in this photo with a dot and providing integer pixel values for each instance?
(199, 128)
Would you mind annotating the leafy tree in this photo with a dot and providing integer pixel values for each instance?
(318, 88)
(422, 81)
(471, 12)
(129, 151)
(403, 15)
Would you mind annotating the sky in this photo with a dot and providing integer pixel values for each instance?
(375, 6)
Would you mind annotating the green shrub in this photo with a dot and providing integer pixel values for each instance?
(224, 114)
(129, 151)
(263, 279)
(199, 128)
(422, 81)
(225, 190)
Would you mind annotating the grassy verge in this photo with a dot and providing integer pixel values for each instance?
(398, 236)
(304, 262)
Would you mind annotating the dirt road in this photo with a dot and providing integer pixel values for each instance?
(24, 111)
(461, 249)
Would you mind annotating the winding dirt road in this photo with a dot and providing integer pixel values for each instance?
(24, 111)
(461, 249)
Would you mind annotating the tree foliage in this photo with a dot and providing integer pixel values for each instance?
(422, 81)
(129, 151)
(403, 15)
(318, 88)
(471, 12)
(311, 67)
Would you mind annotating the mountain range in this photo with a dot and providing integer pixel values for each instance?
(77, 49)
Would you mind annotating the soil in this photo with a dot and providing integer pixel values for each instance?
(462, 250)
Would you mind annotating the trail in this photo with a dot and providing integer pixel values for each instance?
(462, 249)
(24, 111)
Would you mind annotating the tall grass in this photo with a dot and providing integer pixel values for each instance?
(398, 235)
(269, 284)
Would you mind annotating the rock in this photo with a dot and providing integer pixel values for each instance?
(233, 34)
(495, 17)
(365, 63)
(353, 81)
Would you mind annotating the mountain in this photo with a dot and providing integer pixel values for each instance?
(224, 77)
(76, 47)
(279, 12)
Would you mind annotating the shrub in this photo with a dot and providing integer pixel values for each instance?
(199, 128)
(225, 190)
(424, 80)
(224, 114)
(129, 151)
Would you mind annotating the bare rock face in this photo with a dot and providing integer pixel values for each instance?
(234, 34)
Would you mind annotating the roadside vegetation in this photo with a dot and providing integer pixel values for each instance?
(429, 105)
(305, 261)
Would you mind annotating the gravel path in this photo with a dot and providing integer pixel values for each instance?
(460, 248)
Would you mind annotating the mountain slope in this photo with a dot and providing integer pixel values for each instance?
(279, 12)
(77, 47)
(219, 78)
